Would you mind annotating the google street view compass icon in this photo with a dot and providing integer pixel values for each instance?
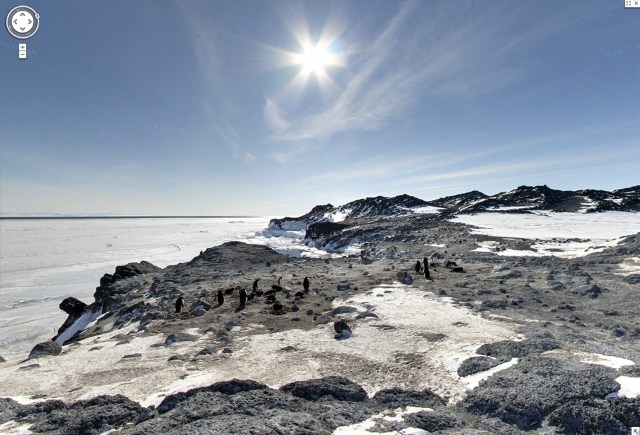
(22, 23)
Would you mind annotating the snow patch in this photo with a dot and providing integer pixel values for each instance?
(629, 387)
(474, 380)
(396, 415)
(629, 266)
(83, 321)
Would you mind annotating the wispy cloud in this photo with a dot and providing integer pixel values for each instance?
(418, 55)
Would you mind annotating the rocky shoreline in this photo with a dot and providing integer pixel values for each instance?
(512, 344)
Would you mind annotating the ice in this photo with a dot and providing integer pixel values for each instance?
(338, 215)
(592, 232)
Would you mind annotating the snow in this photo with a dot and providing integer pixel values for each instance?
(396, 415)
(606, 360)
(427, 209)
(391, 351)
(12, 427)
(629, 266)
(587, 205)
(593, 232)
(629, 387)
(85, 319)
(338, 215)
(509, 207)
(474, 380)
(44, 261)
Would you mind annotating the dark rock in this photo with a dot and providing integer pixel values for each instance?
(45, 349)
(433, 421)
(505, 350)
(30, 367)
(180, 336)
(525, 394)
(177, 358)
(132, 355)
(198, 311)
(404, 278)
(477, 364)
(231, 387)
(343, 287)
(73, 306)
(2, 359)
(632, 279)
(344, 309)
(309, 312)
(397, 398)
(365, 315)
(97, 415)
(334, 386)
(207, 351)
(587, 416)
(592, 291)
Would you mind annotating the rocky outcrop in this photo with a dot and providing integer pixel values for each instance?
(47, 348)
(74, 308)
(122, 272)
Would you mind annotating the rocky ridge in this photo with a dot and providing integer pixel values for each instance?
(564, 308)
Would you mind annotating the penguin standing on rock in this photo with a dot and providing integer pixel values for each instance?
(305, 284)
(418, 267)
(278, 287)
(179, 304)
(220, 297)
(243, 296)
(255, 285)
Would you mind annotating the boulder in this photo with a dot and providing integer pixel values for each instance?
(336, 387)
(45, 349)
(404, 278)
(180, 336)
(72, 306)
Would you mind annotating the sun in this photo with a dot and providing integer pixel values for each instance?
(315, 59)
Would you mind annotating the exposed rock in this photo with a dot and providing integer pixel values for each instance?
(477, 364)
(433, 421)
(543, 385)
(404, 278)
(335, 386)
(45, 349)
(397, 397)
(180, 336)
(233, 386)
(505, 350)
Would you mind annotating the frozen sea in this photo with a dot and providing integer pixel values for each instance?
(43, 261)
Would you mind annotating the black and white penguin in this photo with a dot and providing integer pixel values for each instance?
(179, 304)
(278, 287)
(220, 297)
(243, 296)
(255, 285)
(427, 275)
(418, 267)
(305, 283)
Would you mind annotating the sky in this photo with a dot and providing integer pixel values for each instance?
(256, 107)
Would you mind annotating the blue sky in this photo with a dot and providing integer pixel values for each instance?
(213, 107)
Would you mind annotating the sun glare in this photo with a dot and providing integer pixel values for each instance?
(315, 59)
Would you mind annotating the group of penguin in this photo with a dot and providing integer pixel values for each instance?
(451, 265)
(256, 292)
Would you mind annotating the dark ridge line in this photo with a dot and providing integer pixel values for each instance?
(118, 217)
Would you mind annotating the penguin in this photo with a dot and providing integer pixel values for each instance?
(220, 297)
(255, 285)
(179, 304)
(278, 287)
(342, 330)
(243, 296)
(418, 267)
(427, 275)
(305, 283)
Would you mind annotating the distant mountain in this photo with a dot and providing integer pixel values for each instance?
(519, 200)
(526, 198)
